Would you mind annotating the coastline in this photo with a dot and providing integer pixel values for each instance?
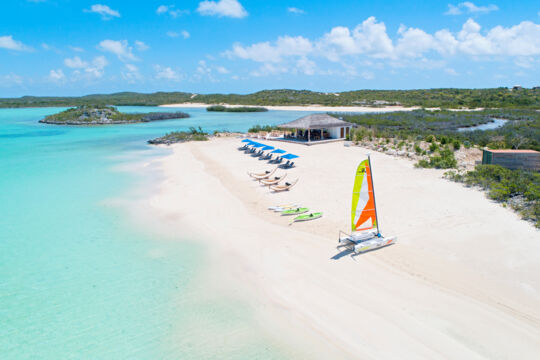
(313, 107)
(450, 288)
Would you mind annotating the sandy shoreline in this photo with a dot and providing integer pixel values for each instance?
(307, 107)
(457, 285)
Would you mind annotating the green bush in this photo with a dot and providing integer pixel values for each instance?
(257, 128)
(430, 138)
(417, 149)
(433, 147)
(456, 144)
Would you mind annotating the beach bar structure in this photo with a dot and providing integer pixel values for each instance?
(513, 159)
(316, 128)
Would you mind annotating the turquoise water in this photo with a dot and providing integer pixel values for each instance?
(77, 280)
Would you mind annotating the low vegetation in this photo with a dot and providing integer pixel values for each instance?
(194, 134)
(257, 128)
(444, 98)
(518, 189)
(522, 131)
(222, 108)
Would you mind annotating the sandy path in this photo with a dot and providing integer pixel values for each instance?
(462, 282)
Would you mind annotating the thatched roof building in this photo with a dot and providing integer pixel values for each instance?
(317, 127)
(315, 121)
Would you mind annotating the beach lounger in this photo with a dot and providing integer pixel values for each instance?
(274, 181)
(243, 147)
(266, 157)
(284, 187)
(264, 175)
(257, 154)
(287, 165)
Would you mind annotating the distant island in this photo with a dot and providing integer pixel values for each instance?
(106, 115)
(444, 98)
(221, 108)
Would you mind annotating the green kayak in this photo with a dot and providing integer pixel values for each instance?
(296, 211)
(310, 216)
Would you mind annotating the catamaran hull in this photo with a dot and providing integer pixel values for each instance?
(371, 243)
(374, 244)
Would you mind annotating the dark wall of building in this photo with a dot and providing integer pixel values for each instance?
(528, 161)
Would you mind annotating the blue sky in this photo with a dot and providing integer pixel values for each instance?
(70, 47)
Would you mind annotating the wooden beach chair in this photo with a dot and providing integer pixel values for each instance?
(264, 175)
(274, 181)
(284, 187)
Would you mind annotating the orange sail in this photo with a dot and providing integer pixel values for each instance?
(363, 215)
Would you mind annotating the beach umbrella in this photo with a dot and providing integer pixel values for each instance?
(257, 145)
(290, 156)
(247, 140)
(267, 147)
(278, 151)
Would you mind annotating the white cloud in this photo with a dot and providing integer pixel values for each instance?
(94, 68)
(185, 34)
(131, 73)
(57, 75)
(10, 79)
(266, 52)
(162, 9)
(369, 37)
(411, 47)
(141, 46)
(222, 70)
(76, 49)
(295, 10)
(170, 9)
(172, 34)
(75, 63)
(166, 73)
(106, 12)
(227, 8)
(7, 42)
(469, 7)
(120, 48)
(451, 72)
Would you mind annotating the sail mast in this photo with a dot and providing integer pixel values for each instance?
(373, 189)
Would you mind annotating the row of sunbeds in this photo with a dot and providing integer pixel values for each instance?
(268, 156)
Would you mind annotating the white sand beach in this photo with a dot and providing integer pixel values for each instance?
(313, 107)
(463, 281)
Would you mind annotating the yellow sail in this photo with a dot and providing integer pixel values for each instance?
(363, 214)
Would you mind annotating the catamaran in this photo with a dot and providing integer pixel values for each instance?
(365, 234)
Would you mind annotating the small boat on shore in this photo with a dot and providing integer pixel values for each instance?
(307, 217)
(365, 234)
(295, 211)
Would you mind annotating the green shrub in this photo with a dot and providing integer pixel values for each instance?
(433, 147)
(430, 138)
(417, 149)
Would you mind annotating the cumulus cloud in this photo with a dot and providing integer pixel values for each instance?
(469, 7)
(166, 73)
(7, 42)
(120, 48)
(94, 68)
(131, 73)
(171, 10)
(56, 75)
(267, 52)
(371, 39)
(411, 47)
(295, 10)
(172, 34)
(106, 12)
(227, 8)
(141, 46)
(185, 34)
(75, 63)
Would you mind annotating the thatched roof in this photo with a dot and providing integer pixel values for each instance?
(315, 121)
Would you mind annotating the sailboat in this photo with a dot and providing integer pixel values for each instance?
(365, 234)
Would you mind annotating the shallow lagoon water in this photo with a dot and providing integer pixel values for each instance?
(77, 280)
